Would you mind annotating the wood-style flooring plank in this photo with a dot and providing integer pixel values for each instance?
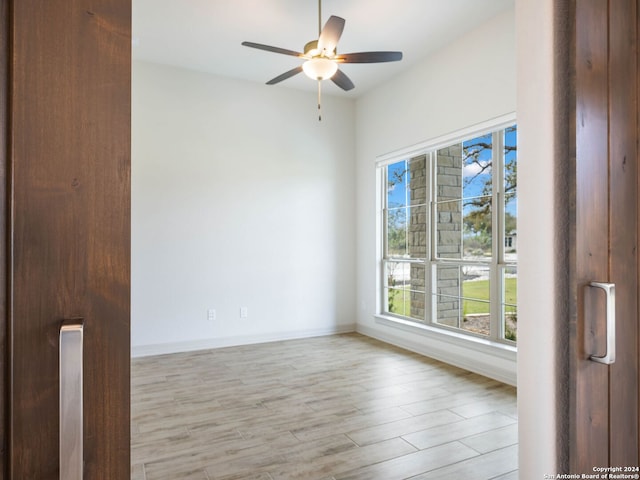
(325, 408)
(488, 466)
(440, 434)
(413, 464)
(493, 439)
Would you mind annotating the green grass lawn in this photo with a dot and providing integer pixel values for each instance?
(399, 302)
(478, 289)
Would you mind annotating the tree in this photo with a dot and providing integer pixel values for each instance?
(477, 218)
(396, 215)
(397, 231)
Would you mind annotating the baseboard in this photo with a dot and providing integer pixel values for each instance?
(500, 369)
(209, 343)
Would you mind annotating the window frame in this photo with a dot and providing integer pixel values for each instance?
(385, 237)
(498, 264)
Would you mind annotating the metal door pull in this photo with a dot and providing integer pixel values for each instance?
(71, 435)
(610, 353)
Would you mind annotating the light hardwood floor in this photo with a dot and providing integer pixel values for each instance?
(343, 407)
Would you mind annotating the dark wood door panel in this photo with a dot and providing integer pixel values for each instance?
(4, 64)
(623, 215)
(70, 238)
(589, 432)
(604, 398)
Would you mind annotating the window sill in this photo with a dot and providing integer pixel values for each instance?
(482, 345)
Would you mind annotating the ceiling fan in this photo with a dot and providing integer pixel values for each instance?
(321, 56)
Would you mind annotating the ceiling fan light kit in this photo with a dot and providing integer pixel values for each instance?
(321, 59)
(320, 68)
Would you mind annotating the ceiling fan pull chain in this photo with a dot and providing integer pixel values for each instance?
(319, 98)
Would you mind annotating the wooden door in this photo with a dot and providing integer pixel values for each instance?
(604, 398)
(66, 149)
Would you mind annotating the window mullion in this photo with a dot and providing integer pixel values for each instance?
(497, 234)
(428, 260)
(384, 300)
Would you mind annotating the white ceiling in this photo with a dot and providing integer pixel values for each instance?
(206, 35)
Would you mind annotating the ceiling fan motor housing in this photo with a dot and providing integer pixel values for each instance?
(311, 50)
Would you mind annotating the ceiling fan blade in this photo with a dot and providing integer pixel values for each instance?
(269, 48)
(285, 75)
(369, 57)
(341, 80)
(330, 34)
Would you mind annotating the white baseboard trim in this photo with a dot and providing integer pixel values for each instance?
(209, 343)
(502, 369)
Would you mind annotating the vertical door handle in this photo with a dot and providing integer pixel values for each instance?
(71, 435)
(610, 354)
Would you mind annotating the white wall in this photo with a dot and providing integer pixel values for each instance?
(468, 82)
(240, 198)
(543, 303)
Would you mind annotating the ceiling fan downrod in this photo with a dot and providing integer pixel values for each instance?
(319, 80)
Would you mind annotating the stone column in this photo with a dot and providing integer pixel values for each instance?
(449, 232)
(418, 233)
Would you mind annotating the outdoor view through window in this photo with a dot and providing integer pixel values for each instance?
(450, 236)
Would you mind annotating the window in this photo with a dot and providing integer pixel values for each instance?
(449, 256)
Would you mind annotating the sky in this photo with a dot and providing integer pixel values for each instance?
(474, 181)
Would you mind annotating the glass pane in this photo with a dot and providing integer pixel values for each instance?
(510, 230)
(407, 225)
(477, 241)
(475, 284)
(510, 159)
(468, 237)
(447, 293)
(477, 157)
(449, 173)
(447, 310)
(417, 293)
(462, 297)
(396, 301)
(511, 195)
(478, 322)
(476, 307)
(397, 275)
(397, 184)
(418, 180)
(449, 229)
(397, 232)
(510, 302)
(417, 237)
(405, 287)
(397, 283)
(463, 193)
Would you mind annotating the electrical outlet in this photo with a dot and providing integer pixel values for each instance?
(244, 312)
(211, 314)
